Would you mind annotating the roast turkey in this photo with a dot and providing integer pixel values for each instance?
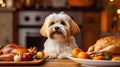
(13, 48)
(108, 44)
(8, 52)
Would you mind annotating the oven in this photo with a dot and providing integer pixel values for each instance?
(30, 23)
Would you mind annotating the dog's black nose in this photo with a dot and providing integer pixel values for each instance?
(56, 28)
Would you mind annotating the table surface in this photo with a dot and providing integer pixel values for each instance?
(52, 63)
(61, 63)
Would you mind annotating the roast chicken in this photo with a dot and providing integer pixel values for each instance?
(108, 44)
(13, 48)
(8, 52)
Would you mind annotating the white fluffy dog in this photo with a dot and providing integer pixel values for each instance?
(59, 28)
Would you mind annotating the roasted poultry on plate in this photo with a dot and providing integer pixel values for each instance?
(109, 44)
(8, 52)
(15, 52)
(13, 48)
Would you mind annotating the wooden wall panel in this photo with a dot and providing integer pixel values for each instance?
(91, 28)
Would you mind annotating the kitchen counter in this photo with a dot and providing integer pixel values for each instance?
(53, 63)
(7, 9)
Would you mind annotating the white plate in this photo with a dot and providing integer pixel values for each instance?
(95, 63)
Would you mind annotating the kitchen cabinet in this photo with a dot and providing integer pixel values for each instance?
(6, 25)
(91, 28)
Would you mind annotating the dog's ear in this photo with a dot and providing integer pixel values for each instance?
(74, 27)
(43, 30)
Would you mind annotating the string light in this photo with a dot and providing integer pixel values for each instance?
(1, 1)
(3, 5)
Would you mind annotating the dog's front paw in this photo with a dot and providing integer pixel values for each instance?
(61, 56)
(51, 55)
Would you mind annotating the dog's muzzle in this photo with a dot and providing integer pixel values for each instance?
(57, 30)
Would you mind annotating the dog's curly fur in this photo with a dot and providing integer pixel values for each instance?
(59, 28)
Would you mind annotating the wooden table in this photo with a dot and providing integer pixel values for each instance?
(60, 63)
(53, 63)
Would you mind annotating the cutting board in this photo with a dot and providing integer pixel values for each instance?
(35, 62)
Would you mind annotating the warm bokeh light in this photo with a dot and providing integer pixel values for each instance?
(3, 5)
(118, 11)
(1, 1)
(111, 0)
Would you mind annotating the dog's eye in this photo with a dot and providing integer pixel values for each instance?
(62, 22)
(52, 23)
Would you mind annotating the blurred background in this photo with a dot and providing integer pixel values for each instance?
(21, 20)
